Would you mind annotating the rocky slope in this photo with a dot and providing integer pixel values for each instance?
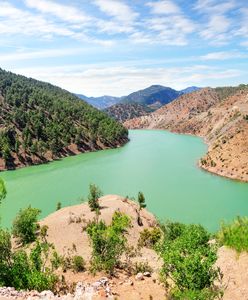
(126, 111)
(40, 122)
(220, 116)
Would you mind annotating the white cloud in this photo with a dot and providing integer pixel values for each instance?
(223, 55)
(122, 80)
(17, 21)
(64, 12)
(118, 10)
(213, 6)
(217, 29)
(164, 7)
(28, 55)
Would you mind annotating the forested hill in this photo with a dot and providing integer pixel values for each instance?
(40, 122)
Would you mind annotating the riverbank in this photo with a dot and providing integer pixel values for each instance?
(26, 160)
(222, 123)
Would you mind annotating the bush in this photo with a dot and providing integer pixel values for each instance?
(149, 238)
(235, 235)
(204, 294)
(188, 258)
(108, 242)
(25, 225)
(142, 267)
(93, 198)
(3, 191)
(78, 263)
(22, 270)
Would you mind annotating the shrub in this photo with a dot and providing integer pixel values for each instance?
(204, 294)
(25, 225)
(141, 267)
(188, 259)
(108, 242)
(148, 238)
(22, 270)
(59, 205)
(30, 271)
(3, 191)
(235, 234)
(141, 200)
(78, 263)
(93, 198)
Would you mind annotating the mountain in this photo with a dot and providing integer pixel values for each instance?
(40, 122)
(125, 111)
(219, 115)
(154, 96)
(190, 89)
(100, 102)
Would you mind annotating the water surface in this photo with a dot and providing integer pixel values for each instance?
(159, 163)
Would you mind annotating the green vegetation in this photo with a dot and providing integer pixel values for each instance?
(224, 92)
(149, 238)
(22, 270)
(59, 205)
(235, 234)
(3, 191)
(93, 198)
(37, 117)
(188, 260)
(126, 111)
(141, 200)
(108, 242)
(141, 267)
(25, 225)
(78, 263)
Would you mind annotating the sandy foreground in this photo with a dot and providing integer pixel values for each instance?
(65, 232)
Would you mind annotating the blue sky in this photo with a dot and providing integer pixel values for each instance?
(115, 47)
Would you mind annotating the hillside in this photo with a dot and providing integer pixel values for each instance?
(102, 102)
(66, 230)
(40, 122)
(126, 111)
(154, 96)
(220, 116)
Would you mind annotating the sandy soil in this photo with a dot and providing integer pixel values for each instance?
(235, 270)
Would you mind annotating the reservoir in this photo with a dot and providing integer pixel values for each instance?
(161, 164)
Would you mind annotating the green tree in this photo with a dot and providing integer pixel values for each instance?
(141, 200)
(3, 191)
(108, 242)
(188, 260)
(93, 198)
(25, 225)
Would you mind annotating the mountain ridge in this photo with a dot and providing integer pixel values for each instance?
(153, 96)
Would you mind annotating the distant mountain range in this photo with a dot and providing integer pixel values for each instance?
(100, 102)
(154, 97)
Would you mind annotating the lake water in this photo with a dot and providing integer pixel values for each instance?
(160, 164)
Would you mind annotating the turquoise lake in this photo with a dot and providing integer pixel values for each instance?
(162, 165)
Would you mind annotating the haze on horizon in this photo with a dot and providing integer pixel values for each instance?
(114, 47)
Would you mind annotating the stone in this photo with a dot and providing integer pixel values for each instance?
(139, 276)
(46, 295)
(128, 282)
(147, 274)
